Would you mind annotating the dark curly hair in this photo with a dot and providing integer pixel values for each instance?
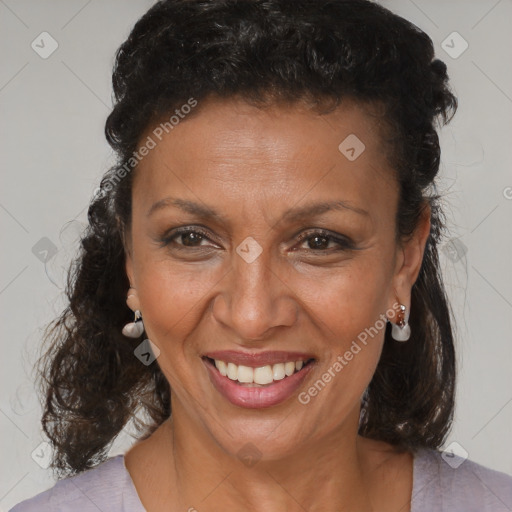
(264, 51)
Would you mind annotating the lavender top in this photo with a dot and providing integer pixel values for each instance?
(438, 486)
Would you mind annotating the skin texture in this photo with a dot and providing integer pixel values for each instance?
(251, 165)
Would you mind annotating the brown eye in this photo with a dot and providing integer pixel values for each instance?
(191, 238)
(318, 241)
(185, 238)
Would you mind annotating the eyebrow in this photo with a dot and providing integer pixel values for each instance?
(290, 215)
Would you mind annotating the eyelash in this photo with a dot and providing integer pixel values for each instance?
(343, 242)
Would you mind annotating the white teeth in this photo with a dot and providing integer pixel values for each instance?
(221, 366)
(262, 375)
(245, 374)
(232, 371)
(289, 368)
(278, 371)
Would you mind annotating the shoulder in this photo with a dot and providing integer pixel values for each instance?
(105, 487)
(444, 481)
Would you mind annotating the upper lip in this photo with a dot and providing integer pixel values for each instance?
(255, 359)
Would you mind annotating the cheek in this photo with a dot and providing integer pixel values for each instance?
(351, 299)
(349, 310)
(173, 299)
(174, 303)
(348, 313)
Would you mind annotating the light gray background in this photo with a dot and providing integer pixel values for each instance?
(53, 153)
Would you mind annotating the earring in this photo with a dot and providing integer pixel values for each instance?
(401, 331)
(136, 328)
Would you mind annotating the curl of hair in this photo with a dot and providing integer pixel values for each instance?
(265, 51)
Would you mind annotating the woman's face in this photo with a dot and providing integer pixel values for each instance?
(233, 249)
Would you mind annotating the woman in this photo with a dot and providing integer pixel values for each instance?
(263, 261)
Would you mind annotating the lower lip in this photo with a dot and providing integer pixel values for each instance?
(256, 397)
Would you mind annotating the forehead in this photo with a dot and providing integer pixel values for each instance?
(272, 152)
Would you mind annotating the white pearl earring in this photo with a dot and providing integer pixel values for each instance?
(136, 328)
(401, 331)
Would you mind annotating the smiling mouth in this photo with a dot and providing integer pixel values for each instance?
(262, 376)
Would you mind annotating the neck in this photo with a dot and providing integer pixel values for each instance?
(194, 472)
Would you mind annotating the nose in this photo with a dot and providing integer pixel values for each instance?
(254, 300)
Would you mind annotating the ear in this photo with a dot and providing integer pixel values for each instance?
(409, 258)
(128, 265)
(132, 298)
